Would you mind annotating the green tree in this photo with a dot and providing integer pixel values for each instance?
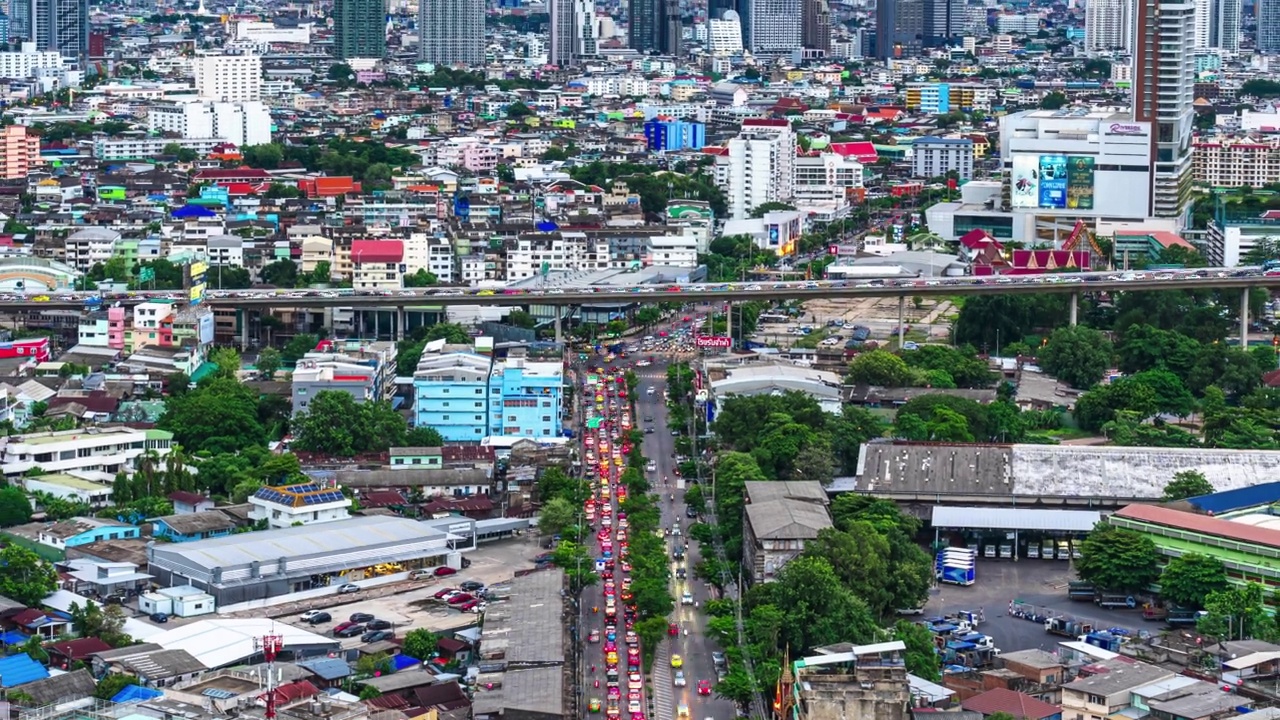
(1186, 484)
(423, 437)
(228, 362)
(556, 516)
(860, 558)
(760, 210)
(1188, 579)
(281, 273)
(1118, 559)
(15, 508)
(578, 565)
(1077, 355)
(335, 424)
(920, 656)
(517, 110)
(648, 316)
(103, 622)
(1053, 101)
(819, 610)
(879, 367)
(419, 644)
(268, 362)
(24, 577)
(419, 279)
(112, 683)
(220, 415)
(297, 347)
(451, 333)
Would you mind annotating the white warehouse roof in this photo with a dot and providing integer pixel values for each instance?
(980, 518)
(219, 643)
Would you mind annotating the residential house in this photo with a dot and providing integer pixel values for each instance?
(106, 449)
(416, 457)
(303, 504)
(188, 527)
(190, 502)
(82, 531)
(67, 687)
(63, 654)
(1020, 706)
(104, 579)
(72, 488)
(1107, 688)
(781, 517)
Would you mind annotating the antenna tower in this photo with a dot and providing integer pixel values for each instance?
(269, 646)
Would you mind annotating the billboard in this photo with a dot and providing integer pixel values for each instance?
(1053, 182)
(195, 281)
(206, 329)
(1024, 186)
(713, 342)
(1080, 183)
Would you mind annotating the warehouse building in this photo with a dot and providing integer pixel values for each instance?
(259, 565)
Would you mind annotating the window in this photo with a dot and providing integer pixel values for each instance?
(1097, 700)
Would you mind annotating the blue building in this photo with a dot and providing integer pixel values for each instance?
(674, 135)
(468, 396)
(189, 527)
(84, 530)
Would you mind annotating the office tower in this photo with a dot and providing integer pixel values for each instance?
(773, 27)
(1267, 13)
(724, 34)
(758, 167)
(451, 32)
(61, 26)
(943, 22)
(1224, 32)
(655, 26)
(228, 78)
(1108, 25)
(1163, 82)
(717, 8)
(899, 28)
(573, 31)
(816, 31)
(359, 29)
(19, 20)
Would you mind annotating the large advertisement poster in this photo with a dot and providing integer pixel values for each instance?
(1080, 183)
(1025, 184)
(1053, 181)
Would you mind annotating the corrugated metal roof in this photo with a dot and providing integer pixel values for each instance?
(1201, 524)
(981, 518)
(1263, 494)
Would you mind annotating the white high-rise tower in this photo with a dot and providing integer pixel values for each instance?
(1108, 25)
(1163, 95)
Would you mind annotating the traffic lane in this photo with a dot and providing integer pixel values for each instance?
(700, 644)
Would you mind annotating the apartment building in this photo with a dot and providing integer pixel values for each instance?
(19, 151)
(228, 78)
(29, 62)
(934, 98)
(364, 370)
(1236, 162)
(377, 264)
(934, 156)
(468, 395)
(431, 253)
(239, 123)
(153, 323)
(825, 177)
(529, 254)
(757, 166)
(143, 148)
(102, 449)
(304, 504)
(90, 246)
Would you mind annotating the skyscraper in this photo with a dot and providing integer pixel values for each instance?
(899, 28)
(61, 26)
(1267, 13)
(773, 26)
(816, 31)
(1163, 83)
(1108, 25)
(573, 31)
(359, 29)
(655, 26)
(943, 22)
(451, 32)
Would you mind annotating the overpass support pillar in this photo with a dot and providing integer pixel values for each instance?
(1075, 307)
(1244, 319)
(902, 320)
(559, 324)
(402, 318)
(728, 322)
(244, 329)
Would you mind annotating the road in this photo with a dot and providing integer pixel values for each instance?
(695, 648)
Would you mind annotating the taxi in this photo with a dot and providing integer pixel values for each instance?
(677, 661)
(594, 705)
(610, 646)
(682, 712)
(633, 656)
(611, 658)
(615, 693)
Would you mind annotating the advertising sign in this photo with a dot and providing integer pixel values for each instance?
(715, 342)
(1124, 129)
(1080, 183)
(1053, 181)
(1024, 186)
(195, 281)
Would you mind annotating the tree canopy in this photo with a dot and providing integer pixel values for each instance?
(335, 424)
(1118, 559)
(219, 416)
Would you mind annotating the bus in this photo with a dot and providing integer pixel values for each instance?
(766, 318)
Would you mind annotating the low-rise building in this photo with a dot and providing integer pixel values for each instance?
(84, 530)
(70, 487)
(364, 370)
(1109, 688)
(292, 505)
(192, 526)
(104, 449)
(467, 396)
(781, 517)
(867, 681)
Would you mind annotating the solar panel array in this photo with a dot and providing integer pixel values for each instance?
(295, 495)
(218, 693)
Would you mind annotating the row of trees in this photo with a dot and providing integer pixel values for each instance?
(935, 366)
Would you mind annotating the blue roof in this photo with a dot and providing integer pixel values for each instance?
(193, 211)
(327, 668)
(13, 637)
(400, 662)
(136, 693)
(1229, 500)
(20, 669)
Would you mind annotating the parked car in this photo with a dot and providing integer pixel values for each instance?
(461, 598)
(360, 617)
(378, 625)
(444, 570)
(471, 586)
(346, 630)
(420, 575)
(440, 594)
(315, 617)
(159, 617)
(348, 588)
(376, 635)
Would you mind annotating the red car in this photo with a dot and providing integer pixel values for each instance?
(672, 629)
(469, 605)
(444, 570)
(461, 598)
(704, 687)
(440, 595)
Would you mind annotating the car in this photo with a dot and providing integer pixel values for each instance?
(678, 680)
(594, 637)
(376, 635)
(360, 617)
(594, 705)
(718, 658)
(378, 625)
(689, 512)
(444, 593)
(315, 617)
(460, 598)
(704, 687)
(420, 575)
(476, 605)
(681, 573)
(677, 661)
(672, 629)
(348, 588)
(682, 712)
(347, 630)
(444, 570)
(686, 599)
(472, 586)
(159, 617)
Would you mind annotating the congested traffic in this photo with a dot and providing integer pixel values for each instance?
(606, 445)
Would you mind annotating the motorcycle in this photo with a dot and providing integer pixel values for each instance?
(597, 683)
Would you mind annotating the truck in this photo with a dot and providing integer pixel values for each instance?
(1105, 640)
(1183, 617)
(1066, 627)
(957, 566)
(1115, 601)
(1081, 591)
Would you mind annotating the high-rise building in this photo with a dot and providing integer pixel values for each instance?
(359, 29)
(451, 32)
(19, 20)
(1267, 13)
(815, 33)
(943, 22)
(1217, 24)
(899, 28)
(1108, 25)
(19, 152)
(573, 31)
(61, 26)
(1163, 84)
(773, 26)
(758, 166)
(724, 34)
(655, 26)
(228, 78)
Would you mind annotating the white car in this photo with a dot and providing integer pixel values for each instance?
(686, 599)
(308, 615)
(678, 679)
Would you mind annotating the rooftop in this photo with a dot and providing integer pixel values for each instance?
(222, 642)
(526, 627)
(1117, 675)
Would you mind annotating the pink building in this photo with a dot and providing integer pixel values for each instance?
(479, 158)
(115, 327)
(19, 152)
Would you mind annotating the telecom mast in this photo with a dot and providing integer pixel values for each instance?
(269, 646)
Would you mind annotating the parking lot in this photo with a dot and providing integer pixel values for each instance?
(1041, 583)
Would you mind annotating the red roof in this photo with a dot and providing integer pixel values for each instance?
(475, 503)
(377, 251)
(241, 174)
(78, 649)
(467, 453)
(295, 691)
(1016, 704)
(863, 152)
(381, 498)
(189, 498)
(977, 238)
(765, 122)
(1205, 524)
